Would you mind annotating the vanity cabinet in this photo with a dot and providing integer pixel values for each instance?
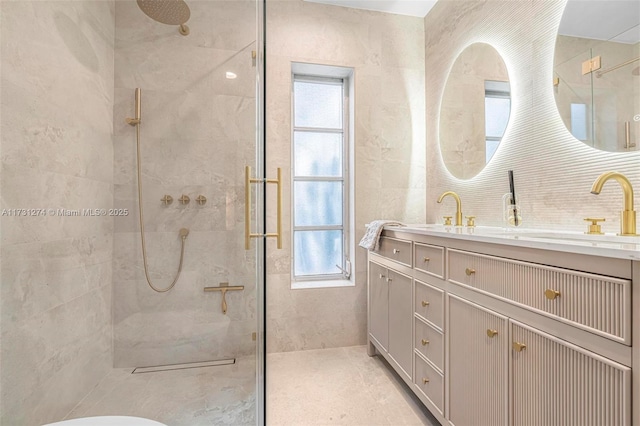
(478, 364)
(390, 315)
(491, 334)
(555, 382)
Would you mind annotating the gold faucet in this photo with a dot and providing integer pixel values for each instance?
(628, 215)
(458, 205)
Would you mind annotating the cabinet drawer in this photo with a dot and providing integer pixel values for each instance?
(429, 303)
(429, 382)
(596, 303)
(429, 259)
(428, 341)
(394, 249)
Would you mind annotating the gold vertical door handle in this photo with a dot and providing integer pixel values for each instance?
(519, 347)
(248, 180)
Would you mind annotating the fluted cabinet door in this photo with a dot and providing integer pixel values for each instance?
(478, 364)
(379, 304)
(557, 383)
(401, 321)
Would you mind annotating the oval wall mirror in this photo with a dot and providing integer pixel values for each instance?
(597, 73)
(475, 110)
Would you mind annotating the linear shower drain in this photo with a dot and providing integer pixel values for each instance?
(168, 367)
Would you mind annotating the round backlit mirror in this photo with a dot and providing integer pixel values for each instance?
(475, 110)
(596, 77)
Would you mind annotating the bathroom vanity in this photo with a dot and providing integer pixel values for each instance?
(489, 327)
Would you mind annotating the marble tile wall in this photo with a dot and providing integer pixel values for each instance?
(198, 133)
(553, 171)
(387, 54)
(56, 105)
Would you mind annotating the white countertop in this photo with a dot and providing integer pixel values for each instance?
(609, 245)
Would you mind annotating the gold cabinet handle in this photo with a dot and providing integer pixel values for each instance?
(425, 342)
(425, 303)
(519, 347)
(469, 271)
(426, 259)
(492, 333)
(396, 251)
(248, 180)
(425, 380)
(381, 276)
(551, 294)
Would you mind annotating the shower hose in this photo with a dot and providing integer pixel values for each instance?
(184, 232)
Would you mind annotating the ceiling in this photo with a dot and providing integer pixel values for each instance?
(597, 19)
(417, 8)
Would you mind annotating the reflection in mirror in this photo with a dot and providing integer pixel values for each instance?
(475, 110)
(597, 73)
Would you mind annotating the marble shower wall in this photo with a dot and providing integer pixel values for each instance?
(198, 133)
(553, 171)
(387, 54)
(56, 153)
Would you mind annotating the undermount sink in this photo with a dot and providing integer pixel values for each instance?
(593, 238)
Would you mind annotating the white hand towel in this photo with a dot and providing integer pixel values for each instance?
(371, 239)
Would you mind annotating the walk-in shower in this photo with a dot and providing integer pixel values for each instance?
(77, 314)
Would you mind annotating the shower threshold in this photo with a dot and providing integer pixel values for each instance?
(185, 366)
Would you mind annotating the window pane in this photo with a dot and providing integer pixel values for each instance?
(579, 121)
(317, 105)
(318, 154)
(496, 115)
(492, 146)
(317, 252)
(317, 203)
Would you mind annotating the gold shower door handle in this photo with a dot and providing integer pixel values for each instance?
(248, 180)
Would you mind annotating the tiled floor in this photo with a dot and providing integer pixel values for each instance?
(340, 386)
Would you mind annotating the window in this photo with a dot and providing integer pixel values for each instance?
(320, 196)
(497, 107)
(579, 121)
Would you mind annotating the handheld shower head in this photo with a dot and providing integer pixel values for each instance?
(170, 12)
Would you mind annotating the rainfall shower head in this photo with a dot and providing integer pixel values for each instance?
(170, 12)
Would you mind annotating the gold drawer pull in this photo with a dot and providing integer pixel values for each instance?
(426, 259)
(396, 251)
(551, 294)
(469, 271)
(519, 347)
(425, 342)
(491, 333)
(425, 380)
(425, 304)
(381, 276)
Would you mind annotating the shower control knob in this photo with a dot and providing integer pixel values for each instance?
(184, 199)
(167, 199)
(201, 199)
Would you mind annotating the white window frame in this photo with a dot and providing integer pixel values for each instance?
(335, 76)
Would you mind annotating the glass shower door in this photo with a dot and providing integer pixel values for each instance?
(78, 313)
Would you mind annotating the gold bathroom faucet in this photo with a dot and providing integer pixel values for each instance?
(458, 205)
(628, 215)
